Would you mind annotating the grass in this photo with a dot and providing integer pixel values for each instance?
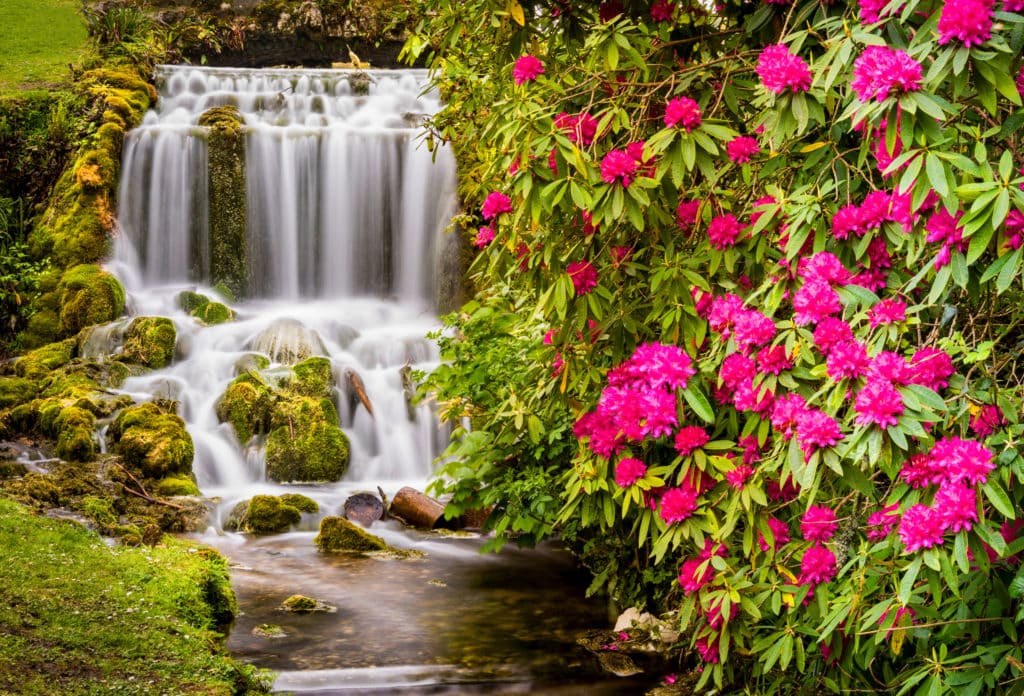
(39, 39)
(78, 617)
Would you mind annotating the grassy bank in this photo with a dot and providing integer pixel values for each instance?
(40, 38)
(77, 617)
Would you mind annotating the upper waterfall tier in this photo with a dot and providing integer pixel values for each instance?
(331, 191)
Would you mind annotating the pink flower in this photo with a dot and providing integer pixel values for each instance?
(921, 528)
(846, 221)
(825, 267)
(742, 148)
(678, 504)
(817, 566)
(737, 369)
(781, 70)
(654, 366)
(818, 523)
(583, 275)
(888, 311)
(724, 231)
(773, 360)
(847, 360)
(690, 438)
(816, 429)
(945, 228)
(830, 332)
(684, 112)
(495, 204)
(890, 367)
(871, 10)
(931, 367)
(618, 166)
(786, 413)
(752, 329)
(878, 403)
(1015, 224)
(920, 471)
(723, 311)
(814, 301)
(962, 460)
(1013, 6)
(968, 21)
(686, 214)
(692, 578)
(527, 68)
(739, 476)
(484, 236)
(661, 10)
(707, 646)
(580, 129)
(882, 522)
(958, 506)
(987, 420)
(780, 534)
(881, 71)
(628, 471)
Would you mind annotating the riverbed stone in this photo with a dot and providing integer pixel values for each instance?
(153, 440)
(338, 534)
(149, 341)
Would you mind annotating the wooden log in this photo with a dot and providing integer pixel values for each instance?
(364, 508)
(357, 386)
(417, 509)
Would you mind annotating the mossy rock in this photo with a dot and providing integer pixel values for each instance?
(149, 341)
(318, 454)
(99, 510)
(222, 117)
(152, 441)
(247, 405)
(338, 534)
(10, 469)
(41, 361)
(300, 604)
(75, 427)
(190, 301)
(218, 594)
(176, 486)
(213, 313)
(301, 413)
(300, 502)
(251, 362)
(15, 391)
(89, 295)
(313, 377)
(263, 514)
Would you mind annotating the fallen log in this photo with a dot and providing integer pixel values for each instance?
(356, 382)
(417, 509)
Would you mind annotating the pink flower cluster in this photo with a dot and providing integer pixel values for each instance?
(662, 10)
(583, 276)
(871, 11)
(818, 566)
(881, 72)
(686, 214)
(986, 420)
(622, 166)
(527, 69)
(817, 299)
(749, 328)
(697, 572)
(690, 438)
(882, 522)
(495, 204)
(724, 230)
(888, 311)
(683, 112)
(678, 504)
(781, 71)
(628, 471)
(484, 236)
(780, 534)
(639, 401)
(945, 229)
(957, 467)
(967, 21)
(742, 148)
(818, 523)
(581, 129)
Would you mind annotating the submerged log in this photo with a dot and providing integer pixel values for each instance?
(357, 386)
(417, 509)
(364, 508)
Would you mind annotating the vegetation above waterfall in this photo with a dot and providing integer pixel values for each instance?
(748, 320)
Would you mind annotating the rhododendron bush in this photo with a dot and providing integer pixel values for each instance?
(746, 319)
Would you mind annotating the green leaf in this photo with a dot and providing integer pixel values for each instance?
(908, 580)
(936, 171)
(997, 495)
(1008, 273)
(698, 402)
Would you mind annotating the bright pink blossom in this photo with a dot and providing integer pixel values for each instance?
(825, 267)
(847, 221)
(888, 311)
(628, 471)
(654, 365)
(752, 329)
(527, 68)
(814, 301)
(818, 523)
(690, 438)
(967, 21)
(686, 214)
(830, 332)
(931, 367)
(890, 367)
(683, 112)
(881, 72)
(818, 566)
(580, 129)
(780, 70)
(847, 360)
(1014, 230)
(878, 403)
(780, 534)
(723, 231)
(816, 429)
(707, 646)
(773, 360)
(920, 470)
(962, 460)
(484, 236)
(871, 11)
(583, 275)
(742, 148)
(786, 414)
(921, 528)
(678, 504)
(986, 420)
(661, 10)
(945, 229)
(495, 204)
(882, 522)
(618, 166)
(958, 506)
(739, 476)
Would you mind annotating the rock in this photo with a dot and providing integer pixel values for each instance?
(15, 390)
(75, 427)
(247, 405)
(338, 534)
(288, 341)
(301, 604)
(634, 618)
(313, 377)
(263, 514)
(417, 509)
(309, 446)
(41, 361)
(227, 190)
(364, 508)
(269, 631)
(300, 502)
(149, 341)
(176, 486)
(617, 663)
(152, 441)
(213, 313)
(88, 295)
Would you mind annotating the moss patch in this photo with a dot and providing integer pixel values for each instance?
(338, 534)
(88, 295)
(317, 453)
(15, 390)
(227, 192)
(247, 405)
(42, 361)
(152, 440)
(313, 377)
(176, 486)
(149, 341)
(213, 313)
(300, 502)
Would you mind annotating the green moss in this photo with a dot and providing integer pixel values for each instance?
(89, 295)
(80, 231)
(247, 405)
(338, 534)
(152, 441)
(75, 427)
(190, 301)
(176, 485)
(227, 196)
(213, 313)
(313, 377)
(41, 361)
(268, 515)
(149, 341)
(300, 604)
(9, 469)
(300, 502)
(43, 327)
(100, 511)
(309, 452)
(15, 390)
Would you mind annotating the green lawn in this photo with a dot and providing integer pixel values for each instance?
(38, 40)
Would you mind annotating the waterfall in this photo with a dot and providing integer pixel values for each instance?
(345, 211)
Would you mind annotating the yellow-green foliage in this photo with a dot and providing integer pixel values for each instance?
(176, 485)
(213, 313)
(338, 534)
(88, 295)
(149, 341)
(247, 405)
(15, 390)
(152, 441)
(310, 448)
(41, 361)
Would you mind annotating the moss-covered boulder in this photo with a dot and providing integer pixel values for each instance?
(173, 486)
(338, 534)
(152, 440)
(313, 376)
(309, 453)
(149, 341)
(213, 313)
(300, 502)
(16, 390)
(41, 361)
(247, 404)
(88, 295)
(227, 196)
(263, 514)
(75, 427)
(300, 604)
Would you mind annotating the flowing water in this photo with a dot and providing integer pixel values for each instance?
(346, 213)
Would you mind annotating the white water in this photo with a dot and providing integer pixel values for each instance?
(346, 218)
